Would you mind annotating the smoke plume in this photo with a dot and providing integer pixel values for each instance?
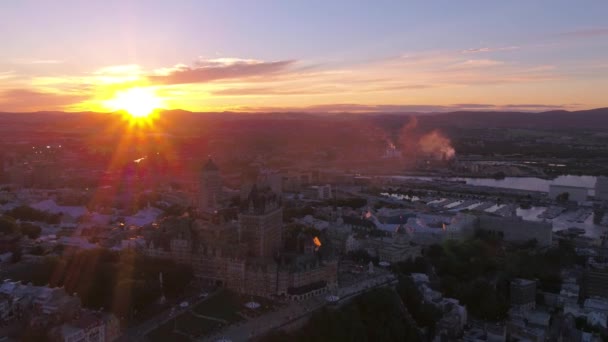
(437, 145)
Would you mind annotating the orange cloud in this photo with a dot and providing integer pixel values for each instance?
(218, 69)
(23, 100)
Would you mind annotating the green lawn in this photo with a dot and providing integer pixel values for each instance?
(223, 305)
(165, 333)
(187, 323)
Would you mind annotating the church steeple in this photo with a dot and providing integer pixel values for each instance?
(210, 165)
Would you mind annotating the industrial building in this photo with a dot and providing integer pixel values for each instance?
(575, 193)
(516, 229)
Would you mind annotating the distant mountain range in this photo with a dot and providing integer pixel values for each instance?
(595, 119)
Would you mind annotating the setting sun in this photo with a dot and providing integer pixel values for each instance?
(138, 102)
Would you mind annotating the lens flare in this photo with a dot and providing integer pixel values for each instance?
(137, 102)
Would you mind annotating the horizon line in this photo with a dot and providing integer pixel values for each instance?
(304, 111)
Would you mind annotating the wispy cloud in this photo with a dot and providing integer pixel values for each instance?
(428, 77)
(586, 32)
(362, 108)
(218, 69)
(119, 70)
(320, 89)
(28, 61)
(7, 74)
(31, 100)
(490, 49)
(267, 91)
(477, 63)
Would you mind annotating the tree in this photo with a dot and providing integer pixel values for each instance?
(361, 256)
(425, 314)
(38, 250)
(374, 316)
(16, 257)
(124, 282)
(30, 230)
(27, 213)
(563, 197)
(8, 225)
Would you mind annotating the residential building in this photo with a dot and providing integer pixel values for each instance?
(396, 248)
(88, 326)
(318, 192)
(595, 279)
(523, 293)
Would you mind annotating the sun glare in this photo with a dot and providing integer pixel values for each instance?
(138, 102)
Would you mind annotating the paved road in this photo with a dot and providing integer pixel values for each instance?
(296, 310)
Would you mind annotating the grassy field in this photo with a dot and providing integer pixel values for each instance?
(186, 323)
(224, 306)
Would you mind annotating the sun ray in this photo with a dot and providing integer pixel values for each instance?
(139, 103)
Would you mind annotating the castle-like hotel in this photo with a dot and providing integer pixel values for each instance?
(245, 255)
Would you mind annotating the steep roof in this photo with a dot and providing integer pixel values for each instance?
(210, 165)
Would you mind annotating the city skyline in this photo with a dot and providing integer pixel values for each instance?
(317, 57)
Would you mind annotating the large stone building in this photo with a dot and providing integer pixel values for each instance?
(247, 255)
(261, 222)
(219, 253)
(210, 187)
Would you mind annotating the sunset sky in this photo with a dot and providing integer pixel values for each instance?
(305, 55)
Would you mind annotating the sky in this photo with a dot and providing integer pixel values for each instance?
(317, 56)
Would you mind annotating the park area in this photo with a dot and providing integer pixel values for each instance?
(210, 316)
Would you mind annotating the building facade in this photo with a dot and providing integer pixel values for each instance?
(575, 193)
(210, 192)
(595, 282)
(246, 255)
(261, 222)
(516, 229)
(601, 188)
(523, 293)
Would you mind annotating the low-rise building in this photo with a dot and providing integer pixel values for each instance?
(87, 326)
(516, 229)
(427, 229)
(55, 312)
(595, 279)
(528, 325)
(318, 192)
(395, 248)
(575, 193)
(569, 292)
(523, 293)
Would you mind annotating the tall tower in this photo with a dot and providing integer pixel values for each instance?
(261, 222)
(210, 187)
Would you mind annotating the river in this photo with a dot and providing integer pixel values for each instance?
(523, 183)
